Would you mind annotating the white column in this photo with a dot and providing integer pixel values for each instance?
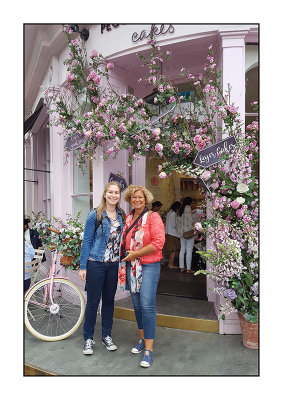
(231, 50)
(232, 55)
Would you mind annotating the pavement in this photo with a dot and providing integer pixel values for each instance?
(176, 353)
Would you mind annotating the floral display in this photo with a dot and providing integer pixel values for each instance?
(89, 105)
(233, 227)
(68, 241)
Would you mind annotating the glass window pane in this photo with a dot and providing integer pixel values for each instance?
(251, 88)
(83, 204)
(81, 179)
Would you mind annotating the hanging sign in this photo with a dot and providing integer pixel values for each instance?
(210, 155)
(75, 141)
(203, 184)
(119, 179)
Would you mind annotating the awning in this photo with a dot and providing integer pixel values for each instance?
(31, 120)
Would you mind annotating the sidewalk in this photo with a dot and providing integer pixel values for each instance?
(176, 353)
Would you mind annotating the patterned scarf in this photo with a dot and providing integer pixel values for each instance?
(137, 233)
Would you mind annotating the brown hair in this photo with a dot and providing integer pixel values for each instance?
(101, 207)
(134, 188)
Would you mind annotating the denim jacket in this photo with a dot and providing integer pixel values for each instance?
(94, 243)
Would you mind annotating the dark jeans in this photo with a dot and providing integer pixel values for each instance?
(26, 284)
(144, 300)
(101, 279)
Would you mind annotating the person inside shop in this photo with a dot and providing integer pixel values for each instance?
(29, 254)
(99, 265)
(156, 205)
(172, 242)
(184, 227)
(32, 237)
(142, 242)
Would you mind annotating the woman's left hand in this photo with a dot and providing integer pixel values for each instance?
(131, 256)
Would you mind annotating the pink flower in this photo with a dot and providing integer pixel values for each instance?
(172, 99)
(205, 175)
(235, 204)
(94, 54)
(158, 147)
(156, 132)
(201, 145)
(197, 139)
(87, 134)
(240, 213)
(110, 66)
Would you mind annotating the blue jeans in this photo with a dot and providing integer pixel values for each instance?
(101, 279)
(144, 300)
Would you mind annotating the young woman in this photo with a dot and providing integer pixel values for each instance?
(99, 264)
(172, 243)
(139, 269)
(184, 223)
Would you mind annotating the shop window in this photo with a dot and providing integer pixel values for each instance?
(252, 83)
(83, 191)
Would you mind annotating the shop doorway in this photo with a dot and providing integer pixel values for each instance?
(173, 282)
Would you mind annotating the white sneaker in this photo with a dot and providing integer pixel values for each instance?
(88, 347)
(108, 343)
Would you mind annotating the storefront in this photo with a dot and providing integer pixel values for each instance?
(57, 188)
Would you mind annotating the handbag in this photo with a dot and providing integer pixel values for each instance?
(189, 234)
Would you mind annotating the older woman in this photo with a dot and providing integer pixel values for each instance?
(142, 241)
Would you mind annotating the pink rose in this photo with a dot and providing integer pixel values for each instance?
(201, 145)
(110, 66)
(158, 147)
(94, 54)
(240, 213)
(235, 204)
(197, 139)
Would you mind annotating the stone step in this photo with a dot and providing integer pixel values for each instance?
(172, 321)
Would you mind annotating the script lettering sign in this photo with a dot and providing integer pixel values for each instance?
(154, 31)
(210, 155)
(117, 178)
(75, 141)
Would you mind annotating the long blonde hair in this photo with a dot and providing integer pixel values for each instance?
(102, 205)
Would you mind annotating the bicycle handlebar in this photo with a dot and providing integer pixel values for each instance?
(53, 230)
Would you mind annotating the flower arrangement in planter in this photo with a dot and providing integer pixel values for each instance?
(68, 241)
(233, 228)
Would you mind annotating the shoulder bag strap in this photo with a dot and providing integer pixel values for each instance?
(134, 223)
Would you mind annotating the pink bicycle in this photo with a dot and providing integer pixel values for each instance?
(54, 307)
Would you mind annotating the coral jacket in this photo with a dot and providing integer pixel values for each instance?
(154, 234)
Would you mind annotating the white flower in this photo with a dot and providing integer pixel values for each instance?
(255, 298)
(205, 175)
(242, 188)
(81, 235)
(240, 200)
(198, 226)
(162, 175)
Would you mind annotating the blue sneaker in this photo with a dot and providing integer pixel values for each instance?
(147, 359)
(138, 347)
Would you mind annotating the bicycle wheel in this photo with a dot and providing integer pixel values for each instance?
(58, 321)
